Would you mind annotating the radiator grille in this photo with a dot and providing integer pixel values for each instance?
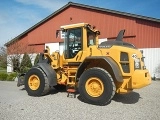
(124, 61)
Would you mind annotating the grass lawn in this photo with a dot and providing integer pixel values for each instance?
(3, 70)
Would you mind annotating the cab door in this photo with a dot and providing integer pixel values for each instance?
(73, 44)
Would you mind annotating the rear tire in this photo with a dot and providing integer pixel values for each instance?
(96, 86)
(36, 82)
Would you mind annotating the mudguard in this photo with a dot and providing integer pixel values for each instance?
(44, 65)
(50, 73)
(110, 61)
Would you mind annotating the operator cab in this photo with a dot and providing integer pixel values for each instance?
(77, 38)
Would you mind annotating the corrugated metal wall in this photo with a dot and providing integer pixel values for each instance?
(142, 33)
(19, 47)
(148, 34)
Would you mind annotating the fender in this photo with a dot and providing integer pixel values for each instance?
(50, 73)
(110, 61)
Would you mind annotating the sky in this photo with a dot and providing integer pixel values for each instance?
(16, 16)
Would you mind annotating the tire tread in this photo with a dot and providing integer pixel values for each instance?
(106, 75)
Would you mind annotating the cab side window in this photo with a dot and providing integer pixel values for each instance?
(91, 38)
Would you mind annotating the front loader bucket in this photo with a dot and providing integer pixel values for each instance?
(21, 79)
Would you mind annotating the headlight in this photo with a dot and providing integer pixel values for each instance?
(137, 64)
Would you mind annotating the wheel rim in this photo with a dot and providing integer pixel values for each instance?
(94, 87)
(34, 82)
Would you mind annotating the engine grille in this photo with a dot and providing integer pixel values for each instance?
(124, 61)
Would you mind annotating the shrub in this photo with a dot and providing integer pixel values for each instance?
(25, 64)
(11, 76)
(7, 77)
(16, 64)
(36, 59)
(3, 65)
(3, 57)
(3, 76)
(4, 70)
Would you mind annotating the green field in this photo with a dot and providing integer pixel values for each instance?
(3, 70)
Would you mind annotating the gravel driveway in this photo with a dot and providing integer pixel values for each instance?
(15, 104)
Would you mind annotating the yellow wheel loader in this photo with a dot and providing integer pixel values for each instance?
(96, 71)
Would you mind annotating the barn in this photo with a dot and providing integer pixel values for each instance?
(142, 31)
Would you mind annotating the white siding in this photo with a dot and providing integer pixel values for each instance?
(10, 64)
(32, 57)
(102, 40)
(61, 48)
(152, 60)
(55, 47)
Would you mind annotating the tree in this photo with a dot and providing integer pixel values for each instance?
(25, 64)
(16, 63)
(3, 57)
(36, 59)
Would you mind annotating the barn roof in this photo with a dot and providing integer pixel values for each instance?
(83, 6)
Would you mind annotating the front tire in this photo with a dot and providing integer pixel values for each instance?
(36, 83)
(96, 86)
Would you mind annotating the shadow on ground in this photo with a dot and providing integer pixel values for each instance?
(55, 91)
(130, 98)
(80, 98)
(52, 90)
